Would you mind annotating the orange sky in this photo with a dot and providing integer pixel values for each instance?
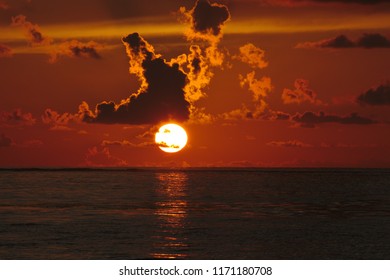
(265, 83)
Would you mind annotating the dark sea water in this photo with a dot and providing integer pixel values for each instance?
(195, 214)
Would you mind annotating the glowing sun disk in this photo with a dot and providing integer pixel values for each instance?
(171, 138)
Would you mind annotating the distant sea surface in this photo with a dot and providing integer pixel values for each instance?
(195, 214)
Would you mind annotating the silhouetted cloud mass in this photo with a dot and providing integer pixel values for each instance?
(311, 119)
(376, 96)
(5, 51)
(161, 94)
(373, 40)
(206, 20)
(367, 41)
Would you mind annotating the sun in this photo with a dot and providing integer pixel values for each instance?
(171, 138)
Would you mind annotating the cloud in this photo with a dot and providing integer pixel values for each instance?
(4, 5)
(272, 115)
(367, 41)
(76, 48)
(32, 31)
(292, 3)
(364, 2)
(311, 119)
(289, 144)
(72, 48)
(16, 118)
(206, 20)
(161, 95)
(260, 89)
(5, 51)
(101, 157)
(252, 55)
(123, 143)
(5, 141)
(198, 74)
(301, 93)
(346, 146)
(373, 40)
(59, 122)
(376, 96)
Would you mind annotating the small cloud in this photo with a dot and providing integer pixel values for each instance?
(59, 122)
(276, 116)
(162, 144)
(260, 89)
(122, 143)
(300, 94)
(76, 48)
(5, 141)
(206, 20)
(16, 118)
(252, 55)
(32, 31)
(367, 41)
(310, 119)
(346, 146)
(295, 3)
(378, 96)
(373, 40)
(4, 5)
(5, 51)
(289, 144)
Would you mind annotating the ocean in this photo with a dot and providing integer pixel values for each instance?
(205, 213)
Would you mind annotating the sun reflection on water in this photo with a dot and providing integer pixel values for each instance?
(171, 214)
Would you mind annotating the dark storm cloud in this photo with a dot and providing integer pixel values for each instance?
(5, 141)
(161, 94)
(376, 96)
(367, 41)
(311, 119)
(5, 51)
